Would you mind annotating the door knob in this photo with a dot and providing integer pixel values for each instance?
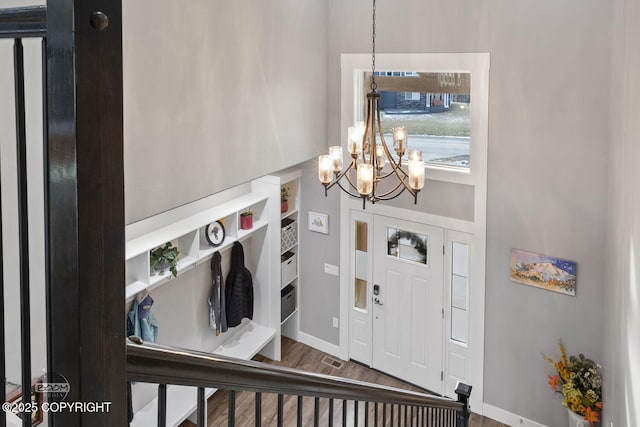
(377, 301)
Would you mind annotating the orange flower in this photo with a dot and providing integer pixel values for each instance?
(553, 381)
(591, 416)
(599, 405)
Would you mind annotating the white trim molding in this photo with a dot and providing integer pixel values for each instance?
(508, 418)
(321, 345)
(478, 64)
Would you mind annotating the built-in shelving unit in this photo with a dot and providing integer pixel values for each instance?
(184, 227)
(286, 244)
(188, 236)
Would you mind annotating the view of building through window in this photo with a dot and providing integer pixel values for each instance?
(435, 109)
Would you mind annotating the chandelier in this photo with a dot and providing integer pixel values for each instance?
(372, 162)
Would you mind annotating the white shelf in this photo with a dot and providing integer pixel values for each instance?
(182, 401)
(179, 228)
(200, 255)
(293, 313)
(289, 248)
(289, 282)
(242, 234)
(288, 213)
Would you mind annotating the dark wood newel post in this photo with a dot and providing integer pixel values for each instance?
(86, 207)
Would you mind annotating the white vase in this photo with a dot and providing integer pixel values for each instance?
(576, 420)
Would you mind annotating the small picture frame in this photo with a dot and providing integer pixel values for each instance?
(318, 222)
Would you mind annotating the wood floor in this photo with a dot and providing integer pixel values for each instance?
(300, 356)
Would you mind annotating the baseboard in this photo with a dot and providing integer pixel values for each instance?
(508, 418)
(321, 345)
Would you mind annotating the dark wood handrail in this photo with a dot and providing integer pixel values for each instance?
(22, 22)
(168, 365)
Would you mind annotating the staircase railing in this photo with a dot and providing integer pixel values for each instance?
(384, 406)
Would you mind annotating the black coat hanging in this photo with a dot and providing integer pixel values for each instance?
(239, 288)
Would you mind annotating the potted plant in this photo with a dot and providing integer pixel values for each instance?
(580, 384)
(246, 220)
(284, 197)
(164, 257)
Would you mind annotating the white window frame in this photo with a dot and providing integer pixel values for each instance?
(355, 65)
(412, 96)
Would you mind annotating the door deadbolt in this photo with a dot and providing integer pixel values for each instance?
(376, 289)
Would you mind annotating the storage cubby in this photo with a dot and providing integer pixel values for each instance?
(187, 294)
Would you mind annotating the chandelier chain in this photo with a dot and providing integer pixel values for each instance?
(374, 85)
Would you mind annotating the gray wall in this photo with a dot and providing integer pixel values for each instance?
(217, 93)
(320, 292)
(622, 308)
(547, 179)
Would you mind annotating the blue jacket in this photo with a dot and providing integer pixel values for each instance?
(141, 322)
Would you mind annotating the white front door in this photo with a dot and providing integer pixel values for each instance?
(407, 325)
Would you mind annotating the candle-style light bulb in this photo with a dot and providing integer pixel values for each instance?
(335, 152)
(415, 155)
(400, 137)
(416, 174)
(380, 156)
(365, 178)
(354, 138)
(325, 168)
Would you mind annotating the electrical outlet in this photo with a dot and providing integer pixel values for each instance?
(331, 269)
(336, 322)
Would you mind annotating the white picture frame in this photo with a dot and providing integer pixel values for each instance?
(318, 222)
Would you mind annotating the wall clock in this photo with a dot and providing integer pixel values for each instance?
(215, 233)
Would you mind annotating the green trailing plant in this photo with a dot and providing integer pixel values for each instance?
(248, 212)
(284, 194)
(163, 257)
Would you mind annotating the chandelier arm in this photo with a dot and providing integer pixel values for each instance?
(347, 191)
(395, 164)
(391, 173)
(400, 185)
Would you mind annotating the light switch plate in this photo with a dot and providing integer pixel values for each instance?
(336, 322)
(331, 269)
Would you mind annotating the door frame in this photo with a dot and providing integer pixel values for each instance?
(478, 64)
(477, 270)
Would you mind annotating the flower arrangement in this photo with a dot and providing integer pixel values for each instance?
(579, 383)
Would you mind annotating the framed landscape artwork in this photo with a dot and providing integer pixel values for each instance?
(553, 274)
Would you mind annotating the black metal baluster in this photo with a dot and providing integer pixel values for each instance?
(316, 412)
(375, 414)
(399, 415)
(366, 413)
(344, 413)
(406, 418)
(355, 413)
(23, 227)
(231, 417)
(299, 411)
(411, 421)
(162, 405)
(384, 414)
(202, 405)
(258, 416)
(391, 420)
(280, 409)
(330, 412)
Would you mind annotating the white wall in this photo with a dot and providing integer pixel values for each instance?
(622, 321)
(547, 179)
(217, 93)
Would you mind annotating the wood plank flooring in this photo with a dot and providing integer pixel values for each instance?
(300, 356)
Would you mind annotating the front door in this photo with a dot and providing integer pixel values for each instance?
(407, 294)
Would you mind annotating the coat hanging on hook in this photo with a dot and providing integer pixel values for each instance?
(239, 288)
(217, 303)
